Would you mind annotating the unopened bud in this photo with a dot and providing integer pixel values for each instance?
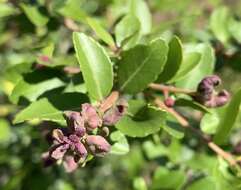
(75, 122)
(113, 115)
(205, 88)
(206, 94)
(219, 100)
(90, 117)
(58, 152)
(77, 146)
(98, 145)
(169, 102)
(69, 164)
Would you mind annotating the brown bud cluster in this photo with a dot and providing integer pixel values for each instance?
(207, 95)
(74, 145)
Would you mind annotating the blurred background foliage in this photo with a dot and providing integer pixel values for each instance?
(32, 31)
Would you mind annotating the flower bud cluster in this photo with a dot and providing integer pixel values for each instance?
(207, 95)
(86, 135)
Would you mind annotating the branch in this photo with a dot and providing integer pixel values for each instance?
(71, 25)
(173, 89)
(184, 123)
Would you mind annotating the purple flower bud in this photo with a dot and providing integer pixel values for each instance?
(80, 131)
(113, 115)
(75, 122)
(77, 146)
(222, 98)
(219, 100)
(90, 116)
(169, 102)
(69, 164)
(58, 152)
(206, 94)
(97, 145)
(205, 88)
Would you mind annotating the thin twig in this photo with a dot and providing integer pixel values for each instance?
(183, 122)
(173, 89)
(71, 25)
(109, 101)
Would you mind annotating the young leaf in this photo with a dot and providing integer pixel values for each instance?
(32, 91)
(72, 9)
(140, 9)
(126, 29)
(121, 146)
(207, 182)
(139, 184)
(205, 66)
(174, 60)
(228, 120)
(41, 110)
(51, 109)
(101, 32)
(5, 131)
(168, 179)
(142, 120)
(33, 14)
(173, 128)
(234, 27)
(6, 9)
(95, 65)
(190, 61)
(192, 104)
(219, 24)
(141, 65)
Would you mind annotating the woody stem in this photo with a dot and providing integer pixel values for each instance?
(173, 89)
(184, 123)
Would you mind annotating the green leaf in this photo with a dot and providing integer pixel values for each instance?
(141, 65)
(228, 120)
(34, 15)
(192, 104)
(168, 179)
(48, 50)
(41, 110)
(174, 60)
(190, 61)
(126, 30)
(219, 24)
(95, 65)
(224, 177)
(32, 91)
(206, 183)
(205, 66)
(51, 109)
(6, 10)
(5, 131)
(210, 122)
(173, 128)
(141, 120)
(140, 9)
(139, 184)
(121, 146)
(234, 27)
(72, 9)
(101, 32)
